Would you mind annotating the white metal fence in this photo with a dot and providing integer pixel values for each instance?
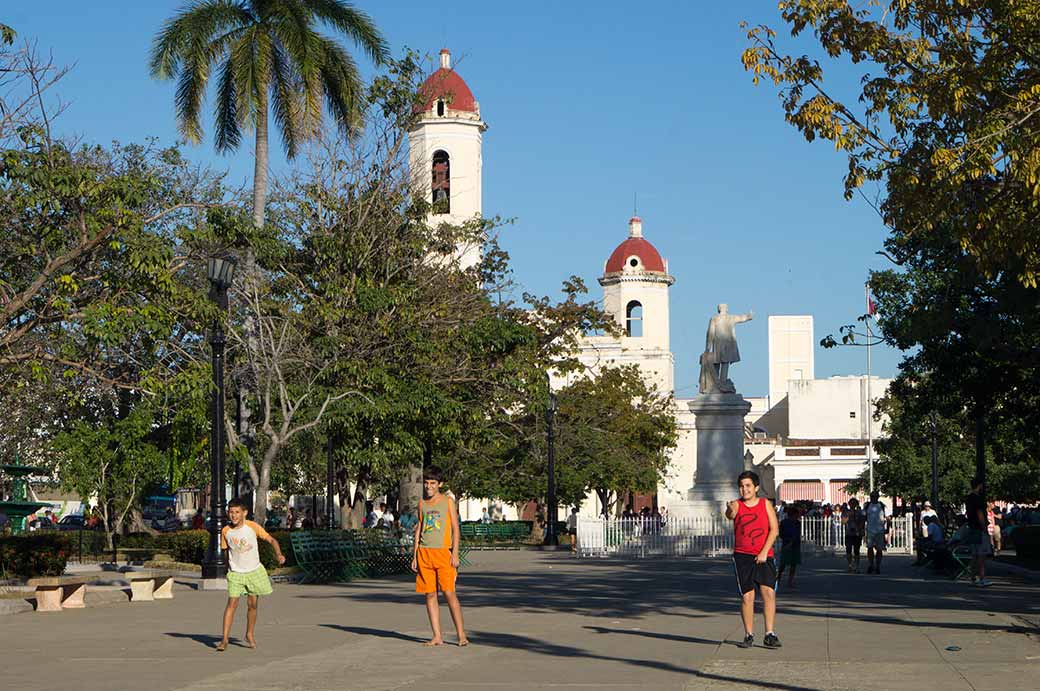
(708, 536)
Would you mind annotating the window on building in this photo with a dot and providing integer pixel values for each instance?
(799, 374)
(852, 413)
(634, 319)
(440, 107)
(441, 183)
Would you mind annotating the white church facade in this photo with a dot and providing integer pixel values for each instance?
(807, 438)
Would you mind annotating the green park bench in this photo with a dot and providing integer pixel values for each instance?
(319, 555)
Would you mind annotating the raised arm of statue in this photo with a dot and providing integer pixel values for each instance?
(746, 317)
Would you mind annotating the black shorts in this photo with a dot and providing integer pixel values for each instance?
(751, 574)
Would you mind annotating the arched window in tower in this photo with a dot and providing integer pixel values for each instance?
(634, 319)
(441, 183)
(440, 107)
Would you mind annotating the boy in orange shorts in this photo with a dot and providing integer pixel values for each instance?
(436, 557)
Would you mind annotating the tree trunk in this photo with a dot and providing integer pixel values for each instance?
(356, 518)
(138, 524)
(410, 489)
(260, 166)
(263, 485)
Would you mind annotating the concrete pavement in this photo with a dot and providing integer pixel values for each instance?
(540, 621)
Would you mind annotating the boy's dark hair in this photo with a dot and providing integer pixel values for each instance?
(749, 475)
(237, 502)
(794, 512)
(432, 473)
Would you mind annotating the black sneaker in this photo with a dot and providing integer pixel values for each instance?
(772, 641)
(748, 642)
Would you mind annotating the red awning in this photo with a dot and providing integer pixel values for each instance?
(802, 490)
(839, 495)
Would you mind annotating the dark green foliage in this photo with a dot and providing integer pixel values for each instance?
(27, 556)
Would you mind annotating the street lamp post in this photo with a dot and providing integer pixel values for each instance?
(935, 461)
(214, 566)
(551, 515)
(236, 491)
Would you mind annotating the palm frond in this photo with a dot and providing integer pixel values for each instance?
(342, 85)
(229, 130)
(354, 23)
(191, 30)
(286, 102)
(191, 87)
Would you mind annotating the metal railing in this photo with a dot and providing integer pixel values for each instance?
(708, 536)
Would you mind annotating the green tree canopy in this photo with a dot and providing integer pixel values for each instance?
(944, 115)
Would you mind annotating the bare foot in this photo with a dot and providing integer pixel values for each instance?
(463, 642)
(432, 642)
(222, 646)
(251, 642)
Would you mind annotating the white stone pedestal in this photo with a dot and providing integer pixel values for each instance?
(720, 451)
(214, 584)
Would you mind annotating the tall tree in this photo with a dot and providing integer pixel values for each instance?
(271, 58)
(944, 113)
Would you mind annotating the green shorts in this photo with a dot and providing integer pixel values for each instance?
(254, 582)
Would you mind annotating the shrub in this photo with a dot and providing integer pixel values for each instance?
(186, 546)
(1027, 541)
(28, 556)
(267, 557)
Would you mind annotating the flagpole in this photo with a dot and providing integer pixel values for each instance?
(870, 411)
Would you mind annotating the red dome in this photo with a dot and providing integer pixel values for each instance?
(648, 255)
(447, 83)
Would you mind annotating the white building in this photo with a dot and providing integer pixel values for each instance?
(809, 435)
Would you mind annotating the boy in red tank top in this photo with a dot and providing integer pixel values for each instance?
(755, 529)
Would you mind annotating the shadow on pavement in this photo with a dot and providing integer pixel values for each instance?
(207, 640)
(653, 634)
(702, 587)
(381, 633)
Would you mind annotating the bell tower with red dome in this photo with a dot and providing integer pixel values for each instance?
(635, 292)
(445, 156)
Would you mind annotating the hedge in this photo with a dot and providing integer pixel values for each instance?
(189, 546)
(27, 556)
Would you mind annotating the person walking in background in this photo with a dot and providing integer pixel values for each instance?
(993, 516)
(877, 532)
(978, 530)
(791, 546)
(755, 529)
(927, 512)
(855, 523)
(572, 528)
(485, 516)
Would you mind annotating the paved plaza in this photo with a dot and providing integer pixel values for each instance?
(540, 621)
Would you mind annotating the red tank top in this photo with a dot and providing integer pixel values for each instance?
(751, 528)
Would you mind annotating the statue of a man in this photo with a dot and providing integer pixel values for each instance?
(720, 349)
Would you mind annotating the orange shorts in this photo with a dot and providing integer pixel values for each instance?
(435, 571)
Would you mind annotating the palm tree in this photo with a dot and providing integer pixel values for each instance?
(269, 56)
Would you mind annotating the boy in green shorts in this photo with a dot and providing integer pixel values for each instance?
(246, 575)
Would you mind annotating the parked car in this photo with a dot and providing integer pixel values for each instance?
(72, 523)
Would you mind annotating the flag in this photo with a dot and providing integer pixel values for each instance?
(871, 307)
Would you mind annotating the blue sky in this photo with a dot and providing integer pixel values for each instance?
(588, 103)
